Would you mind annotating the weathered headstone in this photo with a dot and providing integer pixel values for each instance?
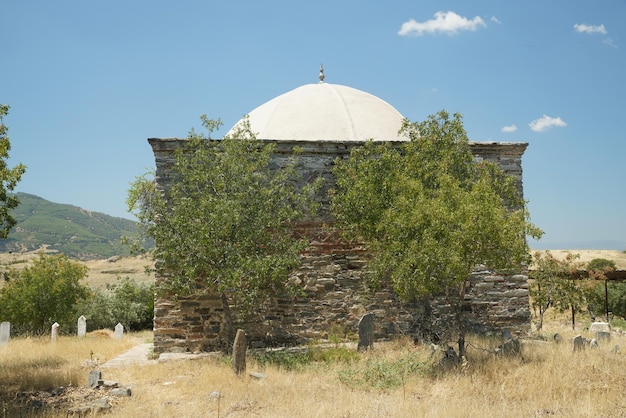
(510, 347)
(603, 336)
(449, 360)
(5, 332)
(54, 333)
(120, 392)
(557, 338)
(239, 352)
(366, 332)
(119, 331)
(82, 326)
(95, 377)
(593, 343)
(579, 343)
(506, 335)
(600, 326)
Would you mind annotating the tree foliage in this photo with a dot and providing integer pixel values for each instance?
(605, 297)
(429, 213)
(44, 293)
(601, 265)
(9, 177)
(616, 293)
(126, 301)
(553, 285)
(225, 221)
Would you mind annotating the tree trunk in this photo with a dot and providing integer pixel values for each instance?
(573, 317)
(228, 323)
(460, 321)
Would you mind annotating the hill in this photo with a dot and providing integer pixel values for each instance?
(75, 232)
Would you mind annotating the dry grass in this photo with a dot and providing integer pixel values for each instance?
(37, 363)
(396, 379)
(619, 257)
(549, 380)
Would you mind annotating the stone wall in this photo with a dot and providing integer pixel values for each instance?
(333, 291)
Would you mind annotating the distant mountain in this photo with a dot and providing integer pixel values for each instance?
(75, 232)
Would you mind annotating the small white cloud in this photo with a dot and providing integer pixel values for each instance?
(609, 42)
(590, 29)
(510, 128)
(546, 122)
(444, 22)
(495, 20)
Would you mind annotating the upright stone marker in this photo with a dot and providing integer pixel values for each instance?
(55, 332)
(119, 331)
(579, 343)
(5, 332)
(82, 326)
(239, 352)
(366, 332)
(94, 379)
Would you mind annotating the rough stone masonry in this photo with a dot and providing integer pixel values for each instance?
(332, 277)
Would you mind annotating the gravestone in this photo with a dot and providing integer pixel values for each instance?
(119, 331)
(5, 332)
(54, 333)
(449, 360)
(603, 336)
(600, 326)
(510, 347)
(506, 335)
(579, 343)
(593, 343)
(95, 377)
(557, 338)
(82, 326)
(239, 352)
(366, 332)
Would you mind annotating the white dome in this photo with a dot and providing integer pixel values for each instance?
(326, 112)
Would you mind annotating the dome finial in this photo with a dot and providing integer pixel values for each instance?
(322, 76)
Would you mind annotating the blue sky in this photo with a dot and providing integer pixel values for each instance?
(89, 82)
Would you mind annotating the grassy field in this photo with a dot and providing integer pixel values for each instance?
(396, 379)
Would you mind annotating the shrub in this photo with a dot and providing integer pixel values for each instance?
(617, 299)
(44, 293)
(127, 302)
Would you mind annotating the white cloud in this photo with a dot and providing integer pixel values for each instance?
(609, 42)
(443, 22)
(510, 128)
(495, 19)
(546, 122)
(591, 29)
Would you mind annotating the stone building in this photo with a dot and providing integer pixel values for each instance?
(325, 121)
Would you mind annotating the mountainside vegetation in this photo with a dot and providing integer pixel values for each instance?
(68, 229)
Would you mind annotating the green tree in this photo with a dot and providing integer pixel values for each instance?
(224, 223)
(601, 265)
(429, 213)
(44, 293)
(9, 177)
(602, 297)
(126, 301)
(554, 285)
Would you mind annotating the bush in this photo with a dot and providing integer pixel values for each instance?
(127, 302)
(44, 293)
(617, 299)
(601, 264)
